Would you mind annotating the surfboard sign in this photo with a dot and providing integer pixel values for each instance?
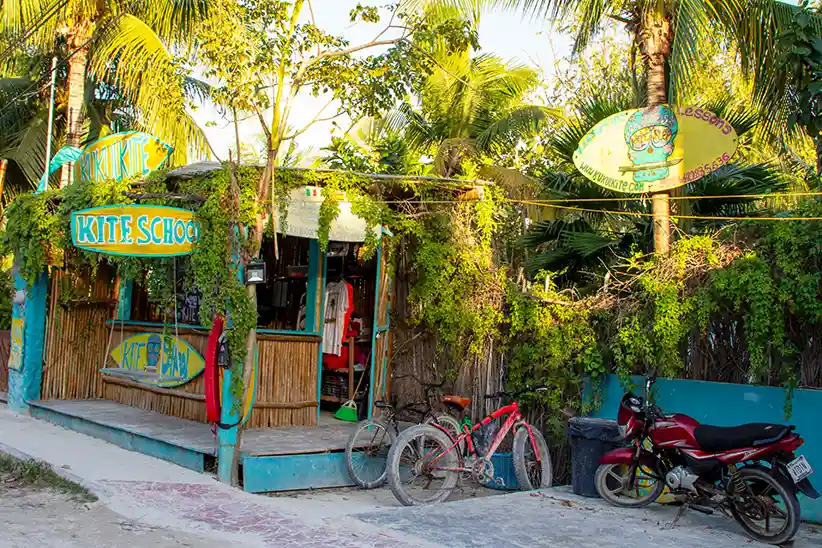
(136, 230)
(655, 149)
(121, 156)
(159, 360)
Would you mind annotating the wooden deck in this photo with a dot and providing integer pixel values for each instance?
(198, 437)
(273, 459)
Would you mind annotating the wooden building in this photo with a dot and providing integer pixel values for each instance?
(106, 345)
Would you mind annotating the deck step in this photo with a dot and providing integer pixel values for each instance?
(134, 429)
(273, 459)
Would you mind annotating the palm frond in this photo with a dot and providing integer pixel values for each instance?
(172, 20)
(511, 129)
(585, 244)
(735, 180)
(131, 57)
(744, 117)
(30, 153)
(197, 89)
(20, 16)
(515, 182)
(417, 130)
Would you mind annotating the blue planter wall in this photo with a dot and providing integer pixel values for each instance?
(724, 404)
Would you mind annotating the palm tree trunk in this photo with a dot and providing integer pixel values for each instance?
(656, 35)
(4, 164)
(77, 38)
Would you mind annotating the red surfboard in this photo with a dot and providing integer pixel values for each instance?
(211, 374)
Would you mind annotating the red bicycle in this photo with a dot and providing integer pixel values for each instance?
(425, 462)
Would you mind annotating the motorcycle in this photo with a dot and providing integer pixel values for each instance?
(748, 471)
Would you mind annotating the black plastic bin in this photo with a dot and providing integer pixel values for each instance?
(590, 440)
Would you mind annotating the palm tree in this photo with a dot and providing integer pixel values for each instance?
(467, 107)
(669, 35)
(125, 49)
(470, 108)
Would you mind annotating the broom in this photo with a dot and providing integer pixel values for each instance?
(348, 411)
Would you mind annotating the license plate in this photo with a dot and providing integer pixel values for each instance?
(799, 469)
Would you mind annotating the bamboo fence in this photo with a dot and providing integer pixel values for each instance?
(77, 336)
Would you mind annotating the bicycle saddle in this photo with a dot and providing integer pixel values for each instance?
(459, 401)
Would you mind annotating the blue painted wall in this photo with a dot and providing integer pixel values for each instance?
(724, 404)
(24, 385)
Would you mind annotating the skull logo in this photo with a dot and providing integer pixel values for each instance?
(153, 349)
(650, 135)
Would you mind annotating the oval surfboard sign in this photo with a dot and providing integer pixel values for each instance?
(136, 230)
(122, 156)
(655, 149)
(160, 360)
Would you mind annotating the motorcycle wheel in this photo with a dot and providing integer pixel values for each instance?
(611, 481)
(766, 500)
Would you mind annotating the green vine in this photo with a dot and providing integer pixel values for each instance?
(38, 230)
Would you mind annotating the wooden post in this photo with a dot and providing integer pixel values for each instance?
(351, 368)
(228, 437)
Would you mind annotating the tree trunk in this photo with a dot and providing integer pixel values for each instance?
(818, 146)
(656, 44)
(3, 166)
(275, 134)
(77, 37)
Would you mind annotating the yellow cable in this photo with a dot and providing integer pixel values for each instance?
(694, 217)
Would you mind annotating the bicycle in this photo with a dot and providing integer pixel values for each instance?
(367, 449)
(432, 454)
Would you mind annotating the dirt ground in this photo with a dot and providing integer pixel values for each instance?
(44, 518)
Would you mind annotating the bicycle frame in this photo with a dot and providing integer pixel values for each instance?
(514, 419)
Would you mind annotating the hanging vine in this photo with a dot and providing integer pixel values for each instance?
(38, 230)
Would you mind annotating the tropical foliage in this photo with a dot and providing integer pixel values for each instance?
(547, 269)
(117, 65)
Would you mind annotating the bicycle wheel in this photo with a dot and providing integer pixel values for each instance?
(532, 472)
(452, 427)
(422, 466)
(366, 453)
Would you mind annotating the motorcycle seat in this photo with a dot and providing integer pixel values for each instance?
(725, 438)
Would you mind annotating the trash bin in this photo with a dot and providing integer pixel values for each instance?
(590, 440)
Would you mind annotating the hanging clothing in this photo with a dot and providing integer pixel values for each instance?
(339, 303)
(301, 315)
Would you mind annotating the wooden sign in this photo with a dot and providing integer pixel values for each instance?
(162, 360)
(122, 156)
(16, 347)
(655, 149)
(135, 230)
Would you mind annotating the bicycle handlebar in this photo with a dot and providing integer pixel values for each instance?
(514, 395)
(427, 387)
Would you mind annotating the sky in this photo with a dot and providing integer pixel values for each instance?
(505, 34)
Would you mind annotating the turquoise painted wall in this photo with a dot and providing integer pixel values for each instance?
(24, 384)
(722, 404)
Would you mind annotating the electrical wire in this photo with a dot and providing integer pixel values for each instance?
(47, 14)
(26, 93)
(692, 217)
(643, 197)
